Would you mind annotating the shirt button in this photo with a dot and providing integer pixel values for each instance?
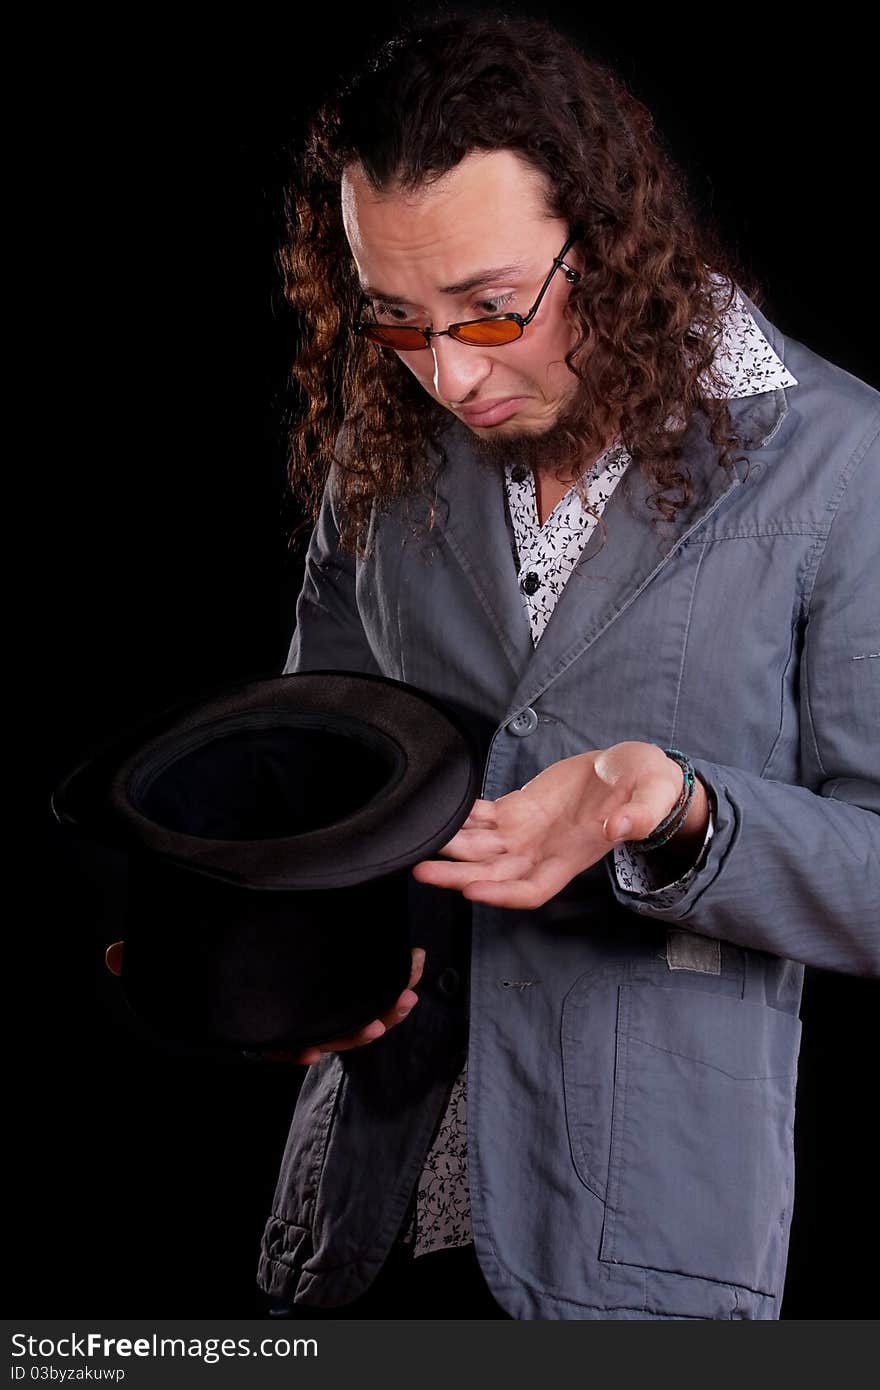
(447, 982)
(522, 724)
(531, 582)
(520, 472)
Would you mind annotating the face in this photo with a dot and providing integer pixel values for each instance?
(414, 253)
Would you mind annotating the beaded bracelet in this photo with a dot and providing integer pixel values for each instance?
(672, 823)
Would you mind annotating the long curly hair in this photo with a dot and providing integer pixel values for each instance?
(657, 283)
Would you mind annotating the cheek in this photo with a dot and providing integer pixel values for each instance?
(548, 343)
(421, 364)
(562, 340)
(545, 361)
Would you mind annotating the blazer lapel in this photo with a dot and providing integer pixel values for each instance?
(473, 518)
(607, 577)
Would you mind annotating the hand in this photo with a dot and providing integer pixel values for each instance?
(396, 1014)
(522, 849)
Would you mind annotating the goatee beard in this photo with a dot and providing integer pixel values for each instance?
(561, 447)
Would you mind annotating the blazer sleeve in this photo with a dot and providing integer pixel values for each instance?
(329, 633)
(795, 869)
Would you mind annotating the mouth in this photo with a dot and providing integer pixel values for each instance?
(492, 413)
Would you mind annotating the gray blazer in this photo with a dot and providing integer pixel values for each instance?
(631, 1068)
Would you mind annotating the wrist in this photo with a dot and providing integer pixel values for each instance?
(681, 851)
(681, 814)
(696, 823)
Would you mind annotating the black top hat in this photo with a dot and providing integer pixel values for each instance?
(270, 830)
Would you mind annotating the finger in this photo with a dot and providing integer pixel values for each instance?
(482, 813)
(418, 965)
(475, 843)
(365, 1035)
(396, 1014)
(530, 890)
(516, 893)
(404, 1003)
(445, 874)
(113, 958)
(399, 1009)
(307, 1056)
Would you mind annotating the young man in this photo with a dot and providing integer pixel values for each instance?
(566, 474)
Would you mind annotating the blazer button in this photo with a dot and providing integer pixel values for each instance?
(531, 582)
(523, 724)
(447, 982)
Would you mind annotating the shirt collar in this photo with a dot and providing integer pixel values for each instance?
(744, 357)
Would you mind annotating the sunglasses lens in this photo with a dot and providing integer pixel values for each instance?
(488, 332)
(401, 339)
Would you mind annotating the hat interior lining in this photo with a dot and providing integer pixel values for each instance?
(296, 774)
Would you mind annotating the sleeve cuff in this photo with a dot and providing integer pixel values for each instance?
(635, 872)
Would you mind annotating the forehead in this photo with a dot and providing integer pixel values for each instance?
(492, 203)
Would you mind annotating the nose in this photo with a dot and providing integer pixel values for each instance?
(458, 369)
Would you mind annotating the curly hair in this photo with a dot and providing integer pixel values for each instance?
(657, 284)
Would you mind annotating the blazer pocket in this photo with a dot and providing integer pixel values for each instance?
(688, 1134)
(589, 1023)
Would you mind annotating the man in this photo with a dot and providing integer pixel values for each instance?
(572, 480)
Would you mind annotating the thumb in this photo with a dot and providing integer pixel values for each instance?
(618, 827)
(636, 818)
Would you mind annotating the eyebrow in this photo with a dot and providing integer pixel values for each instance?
(473, 282)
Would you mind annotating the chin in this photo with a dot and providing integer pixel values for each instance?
(515, 431)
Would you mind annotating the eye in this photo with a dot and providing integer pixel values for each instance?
(389, 311)
(494, 306)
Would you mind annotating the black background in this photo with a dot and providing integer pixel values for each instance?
(142, 1178)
